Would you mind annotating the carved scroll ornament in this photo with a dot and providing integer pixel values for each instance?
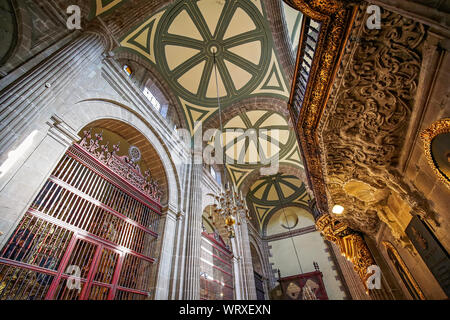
(363, 127)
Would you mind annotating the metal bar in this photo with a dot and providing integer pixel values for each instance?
(85, 233)
(110, 210)
(62, 266)
(105, 168)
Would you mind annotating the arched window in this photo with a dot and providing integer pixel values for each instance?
(153, 101)
(215, 174)
(156, 97)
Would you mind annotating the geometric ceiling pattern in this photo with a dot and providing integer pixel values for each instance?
(258, 138)
(269, 194)
(100, 7)
(184, 39)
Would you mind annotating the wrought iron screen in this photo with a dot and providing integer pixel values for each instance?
(90, 233)
(216, 280)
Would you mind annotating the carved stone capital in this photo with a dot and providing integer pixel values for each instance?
(351, 244)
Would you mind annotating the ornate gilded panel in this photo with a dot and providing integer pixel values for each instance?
(436, 142)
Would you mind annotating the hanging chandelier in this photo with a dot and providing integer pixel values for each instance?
(230, 207)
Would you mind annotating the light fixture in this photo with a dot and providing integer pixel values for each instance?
(337, 209)
(229, 204)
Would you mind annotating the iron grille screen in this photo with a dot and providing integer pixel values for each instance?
(216, 270)
(87, 235)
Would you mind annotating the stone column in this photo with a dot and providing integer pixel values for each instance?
(47, 146)
(165, 261)
(177, 284)
(194, 232)
(28, 96)
(38, 147)
(246, 260)
(176, 280)
(237, 279)
(272, 280)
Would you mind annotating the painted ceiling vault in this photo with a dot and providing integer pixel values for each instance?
(272, 141)
(100, 7)
(182, 40)
(269, 194)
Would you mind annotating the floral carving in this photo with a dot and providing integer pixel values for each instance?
(121, 165)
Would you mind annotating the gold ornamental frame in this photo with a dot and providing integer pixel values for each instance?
(336, 18)
(389, 246)
(427, 135)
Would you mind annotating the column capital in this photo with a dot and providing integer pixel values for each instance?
(350, 242)
(97, 27)
(61, 131)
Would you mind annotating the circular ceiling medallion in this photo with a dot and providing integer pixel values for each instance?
(195, 33)
(257, 137)
(275, 189)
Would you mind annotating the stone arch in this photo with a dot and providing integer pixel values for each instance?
(134, 137)
(30, 40)
(132, 13)
(283, 169)
(250, 104)
(207, 223)
(256, 253)
(255, 247)
(89, 111)
(278, 208)
(217, 224)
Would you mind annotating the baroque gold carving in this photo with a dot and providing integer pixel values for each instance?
(350, 243)
(362, 128)
(427, 135)
(336, 17)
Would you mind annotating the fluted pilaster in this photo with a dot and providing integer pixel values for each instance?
(246, 261)
(193, 239)
(27, 97)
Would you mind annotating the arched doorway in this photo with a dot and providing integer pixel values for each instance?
(216, 265)
(258, 273)
(91, 231)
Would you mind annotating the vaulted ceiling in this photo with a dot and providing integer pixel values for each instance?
(182, 40)
(269, 194)
(272, 141)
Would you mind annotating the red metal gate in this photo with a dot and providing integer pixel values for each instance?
(89, 234)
